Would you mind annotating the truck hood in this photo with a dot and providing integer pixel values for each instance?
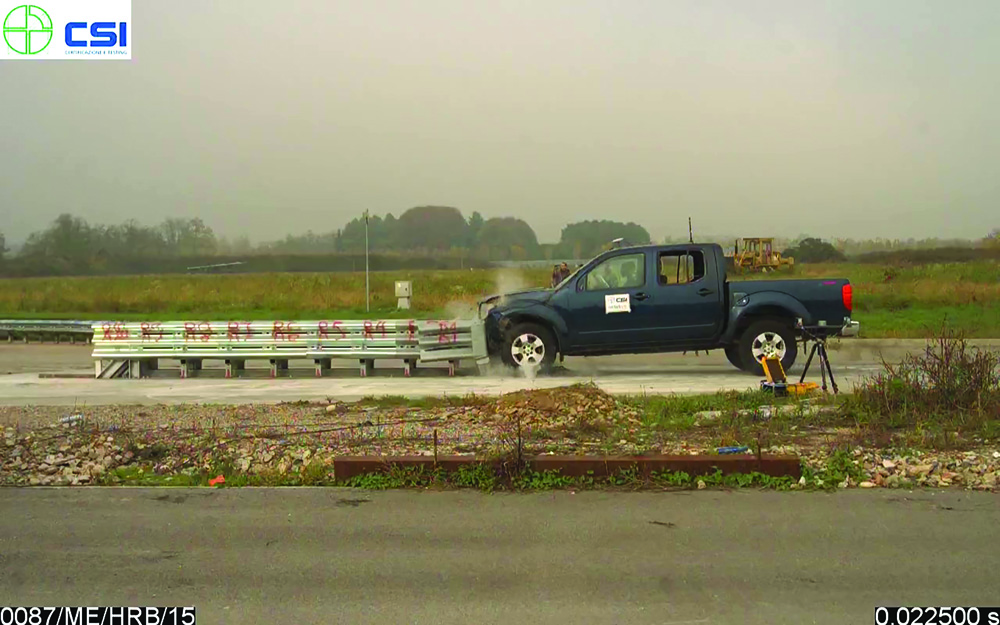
(503, 299)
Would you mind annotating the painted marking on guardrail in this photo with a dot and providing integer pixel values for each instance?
(371, 329)
(201, 331)
(448, 331)
(325, 327)
(238, 331)
(115, 331)
(151, 332)
(285, 331)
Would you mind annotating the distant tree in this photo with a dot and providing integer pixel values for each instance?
(389, 232)
(187, 237)
(813, 250)
(432, 228)
(382, 234)
(589, 238)
(129, 239)
(475, 227)
(991, 240)
(308, 243)
(3, 247)
(69, 239)
(352, 238)
(241, 246)
(499, 237)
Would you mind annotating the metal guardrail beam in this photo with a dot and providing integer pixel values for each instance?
(134, 349)
(27, 329)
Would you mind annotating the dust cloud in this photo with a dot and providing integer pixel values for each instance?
(459, 309)
(509, 280)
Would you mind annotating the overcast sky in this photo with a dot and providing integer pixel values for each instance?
(861, 118)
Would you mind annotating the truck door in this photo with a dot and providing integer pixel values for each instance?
(609, 305)
(687, 297)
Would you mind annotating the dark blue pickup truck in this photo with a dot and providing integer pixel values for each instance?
(654, 298)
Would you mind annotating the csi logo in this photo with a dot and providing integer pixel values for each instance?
(619, 299)
(102, 34)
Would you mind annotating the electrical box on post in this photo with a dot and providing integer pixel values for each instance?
(404, 292)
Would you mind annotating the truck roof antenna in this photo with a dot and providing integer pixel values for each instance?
(690, 235)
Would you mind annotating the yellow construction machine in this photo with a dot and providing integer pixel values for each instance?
(757, 254)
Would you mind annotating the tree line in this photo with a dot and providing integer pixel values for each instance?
(443, 229)
(72, 246)
(421, 237)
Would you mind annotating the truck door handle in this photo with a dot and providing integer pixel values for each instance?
(704, 292)
(641, 296)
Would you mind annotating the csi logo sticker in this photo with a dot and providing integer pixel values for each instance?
(617, 304)
(80, 30)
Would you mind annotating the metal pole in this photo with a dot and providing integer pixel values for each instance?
(368, 307)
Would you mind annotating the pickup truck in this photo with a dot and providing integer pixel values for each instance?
(663, 298)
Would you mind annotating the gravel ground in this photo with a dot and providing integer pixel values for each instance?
(56, 446)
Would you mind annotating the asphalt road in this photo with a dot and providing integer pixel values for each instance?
(852, 359)
(340, 556)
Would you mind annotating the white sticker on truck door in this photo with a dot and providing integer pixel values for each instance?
(617, 304)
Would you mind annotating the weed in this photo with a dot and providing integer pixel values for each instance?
(374, 481)
(543, 480)
(397, 477)
(481, 477)
(677, 479)
(839, 467)
(628, 477)
(939, 397)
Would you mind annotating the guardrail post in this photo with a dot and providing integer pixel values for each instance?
(409, 365)
(322, 366)
(278, 364)
(367, 367)
(189, 366)
(233, 364)
(140, 368)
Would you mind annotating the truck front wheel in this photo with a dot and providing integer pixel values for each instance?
(767, 338)
(529, 346)
(733, 356)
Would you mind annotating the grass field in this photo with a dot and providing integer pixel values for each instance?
(915, 302)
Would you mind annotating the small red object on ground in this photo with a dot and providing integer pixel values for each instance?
(217, 480)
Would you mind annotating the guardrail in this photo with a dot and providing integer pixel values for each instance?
(133, 350)
(27, 329)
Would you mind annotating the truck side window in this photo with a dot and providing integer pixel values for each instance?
(681, 267)
(621, 272)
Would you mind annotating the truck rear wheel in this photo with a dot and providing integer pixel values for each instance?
(529, 347)
(767, 338)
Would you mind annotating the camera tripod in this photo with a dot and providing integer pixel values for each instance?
(818, 341)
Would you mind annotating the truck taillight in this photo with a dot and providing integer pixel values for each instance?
(848, 297)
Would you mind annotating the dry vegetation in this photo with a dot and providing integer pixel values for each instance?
(890, 301)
